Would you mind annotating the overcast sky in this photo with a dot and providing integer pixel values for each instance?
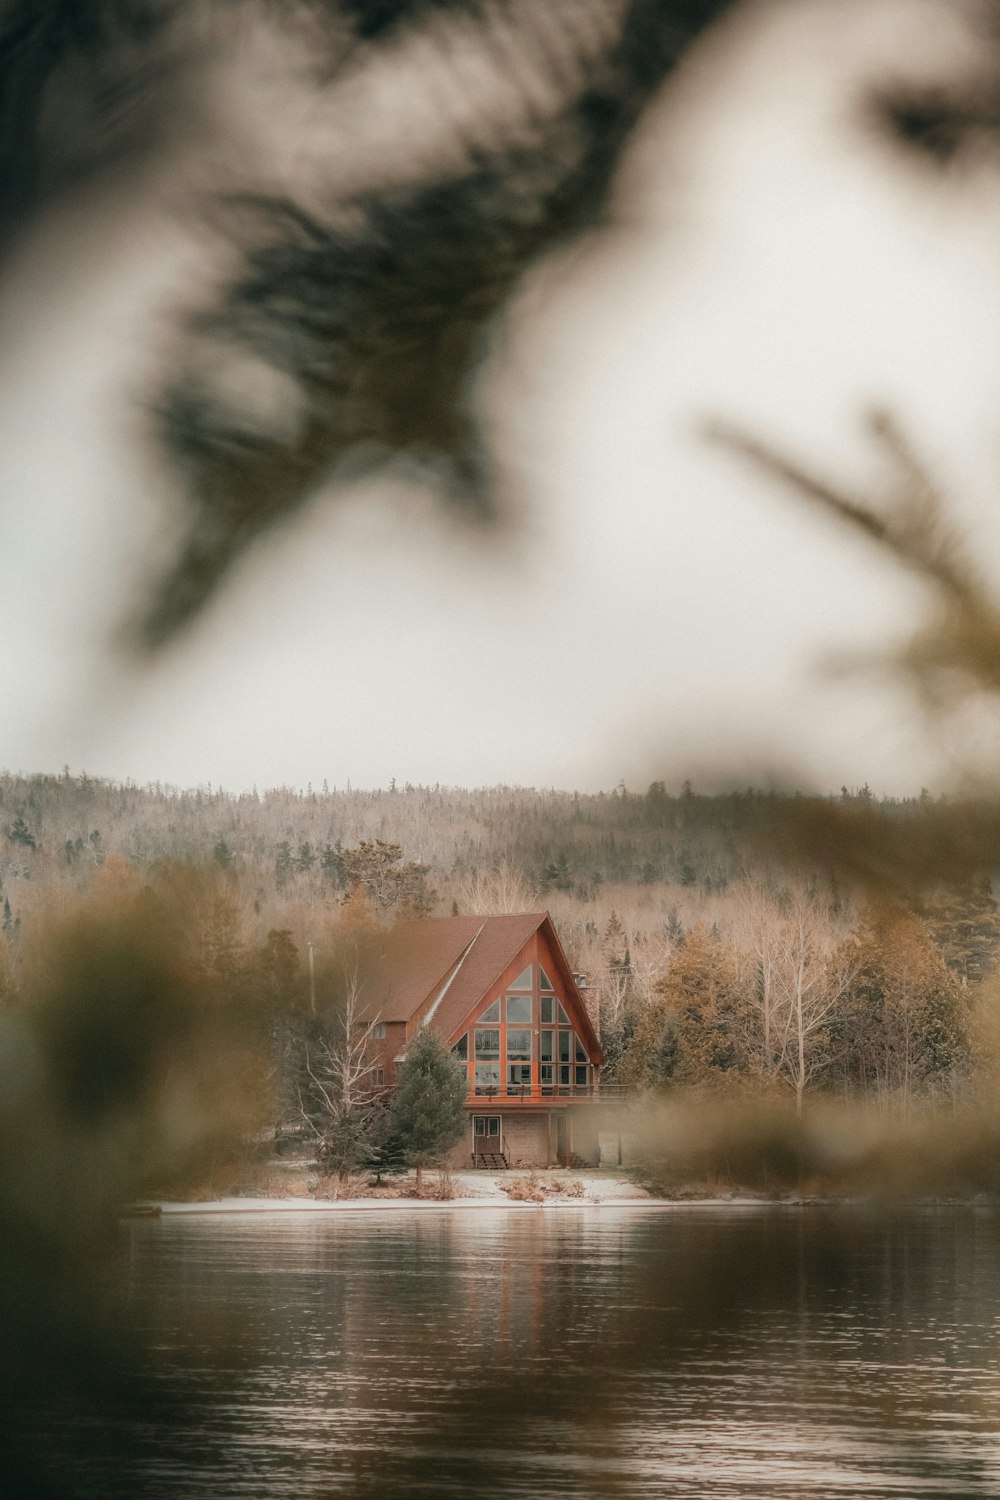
(659, 610)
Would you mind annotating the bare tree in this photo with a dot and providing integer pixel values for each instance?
(496, 891)
(344, 1103)
(809, 984)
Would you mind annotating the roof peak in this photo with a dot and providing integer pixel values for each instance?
(475, 916)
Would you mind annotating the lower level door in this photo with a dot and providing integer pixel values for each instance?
(488, 1134)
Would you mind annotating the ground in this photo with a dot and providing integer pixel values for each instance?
(297, 1187)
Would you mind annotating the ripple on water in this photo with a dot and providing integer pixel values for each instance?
(701, 1355)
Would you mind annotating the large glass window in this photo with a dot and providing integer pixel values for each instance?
(519, 1009)
(461, 1048)
(565, 1049)
(544, 981)
(547, 1075)
(581, 1052)
(563, 1017)
(547, 1009)
(523, 980)
(582, 1077)
(487, 1078)
(546, 1042)
(518, 1077)
(518, 1044)
(493, 1014)
(487, 1042)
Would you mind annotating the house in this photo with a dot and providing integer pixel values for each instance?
(501, 993)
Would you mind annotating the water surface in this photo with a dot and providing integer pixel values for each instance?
(559, 1352)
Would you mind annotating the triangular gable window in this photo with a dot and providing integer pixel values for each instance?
(523, 980)
(545, 981)
(564, 1019)
(493, 1014)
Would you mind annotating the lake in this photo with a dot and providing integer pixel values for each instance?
(702, 1352)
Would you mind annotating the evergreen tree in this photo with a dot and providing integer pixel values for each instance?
(904, 1027)
(222, 854)
(427, 1108)
(696, 1029)
(332, 863)
(282, 863)
(19, 833)
(965, 925)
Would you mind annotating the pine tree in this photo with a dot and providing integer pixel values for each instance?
(222, 854)
(427, 1107)
(965, 925)
(904, 1026)
(695, 1030)
(20, 833)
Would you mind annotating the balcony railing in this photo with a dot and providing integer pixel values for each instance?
(523, 1093)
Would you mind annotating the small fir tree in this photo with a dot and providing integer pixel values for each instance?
(427, 1107)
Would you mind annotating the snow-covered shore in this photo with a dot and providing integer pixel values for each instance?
(472, 1190)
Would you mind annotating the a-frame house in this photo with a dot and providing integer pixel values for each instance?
(501, 993)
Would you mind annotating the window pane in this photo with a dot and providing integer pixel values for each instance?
(488, 1125)
(519, 1008)
(548, 1074)
(547, 1009)
(564, 1075)
(581, 1077)
(487, 1078)
(564, 1041)
(523, 980)
(545, 981)
(461, 1047)
(581, 1052)
(518, 1045)
(563, 1017)
(493, 1014)
(545, 1046)
(519, 1076)
(487, 1042)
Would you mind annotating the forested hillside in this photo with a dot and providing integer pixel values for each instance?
(728, 937)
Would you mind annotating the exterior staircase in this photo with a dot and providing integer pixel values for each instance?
(490, 1161)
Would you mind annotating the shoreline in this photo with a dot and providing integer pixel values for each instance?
(390, 1205)
(563, 1191)
(243, 1206)
(471, 1191)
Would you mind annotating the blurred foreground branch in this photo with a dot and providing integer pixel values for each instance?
(951, 662)
(958, 651)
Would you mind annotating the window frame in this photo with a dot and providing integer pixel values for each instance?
(486, 1053)
(522, 1032)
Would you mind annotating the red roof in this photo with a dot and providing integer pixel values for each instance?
(466, 954)
(418, 957)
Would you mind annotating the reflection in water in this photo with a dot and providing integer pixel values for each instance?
(682, 1352)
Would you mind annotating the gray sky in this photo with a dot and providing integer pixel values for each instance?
(658, 610)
